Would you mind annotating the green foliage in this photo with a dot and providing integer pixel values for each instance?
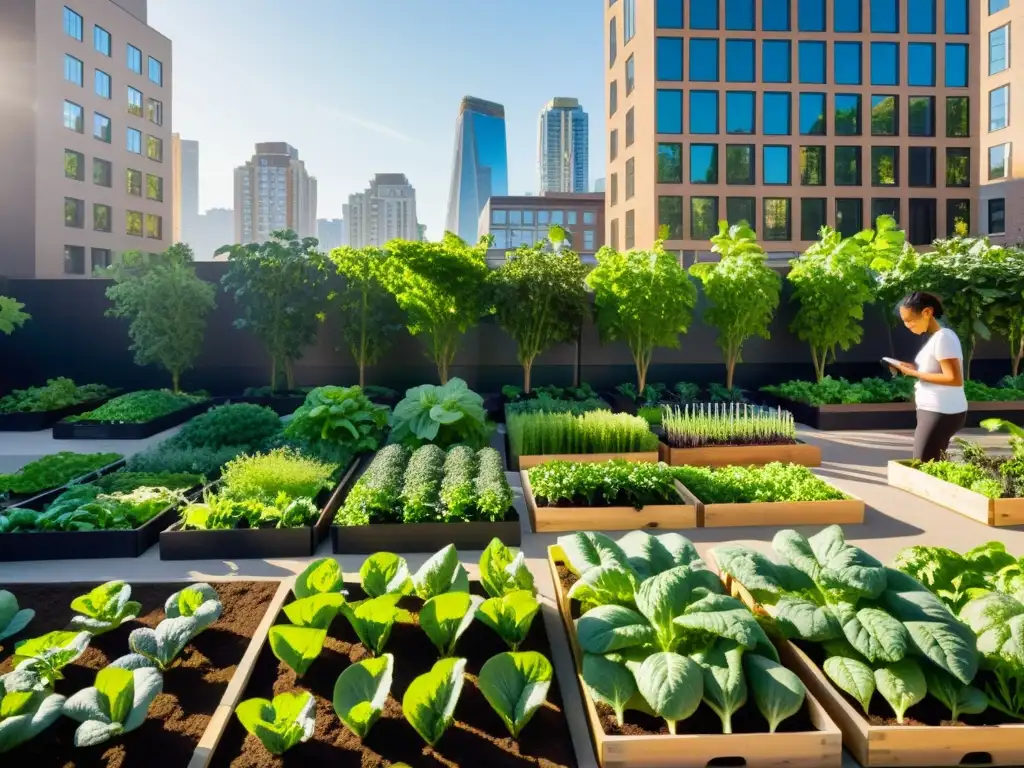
(742, 289)
(385, 573)
(166, 304)
(651, 414)
(45, 656)
(139, 407)
(515, 685)
(829, 391)
(372, 620)
(732, 424)
(446, 617)
(320, 577)
(54, 471)
(441, 573)
(742, 485)
(361, 692)
(25, 711)
(85, 508)
(510, 615)
(11, 315)
(341, 416)
(445, 416)
(298, 647)
(998, 621)
(957, 579)
(643, 298)
(104, 608)
(13, 618)
(266, 475)
(592, 432)
(115, 705)
(546, 404)
(610, 483)
(189, 612)
(280, 288)
(172, 457)
(279, 724)
(1015, 432)
(429, 701)
(234, 424)
(969, 476)
(539, 299)
(126, 482)
(503, 570)
(441, 287)
(58, 393)
(217, 512)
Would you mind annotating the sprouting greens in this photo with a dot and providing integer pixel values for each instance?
(540, 433)
(104, 608)
(697, 426)
(279, 724)
(116, 704)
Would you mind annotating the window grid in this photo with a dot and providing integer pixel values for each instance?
(72, 24)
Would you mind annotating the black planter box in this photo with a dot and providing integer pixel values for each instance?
(282, 405)
(100, 430)
(1011, 410)
(40, 420)
(255, 543)
(421, 537)
(39, 500)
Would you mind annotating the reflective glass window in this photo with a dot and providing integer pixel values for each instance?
(739, 112)
(812, 114)
(669, 59)
(703, 60)
(885, 118)
(670, 14)
(775, 61)
(884, 166)
(669, 111)
(922, 167)
(885, 206)
(703, 163)
(958, 167)
(704, 112)
(776, 218)
(670, 163)
(703, 15)
(885, 16)
(778, 113)
(812, 166)
(739, 14)
(885, 63)
(775, 15)
(922, 226)
(998, 161)
(849, 215)
(957, 68)
(739, 210)
(958, 119)
(921, 112)
(846, 15)
(847, 63)
(998, 104)
(847, 114)
(739, 164)
(847, 167)
(921, 65)
(739, 61)
(957, 211)
(812, 217)
(921, 17)
(812, 61)
(670, 214)
(998, 49)
(957, 21)
(811, 15)
(703, 217)
(776, 164)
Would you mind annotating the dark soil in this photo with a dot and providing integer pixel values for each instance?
(622, 500)
(477, 739)
(192, 688)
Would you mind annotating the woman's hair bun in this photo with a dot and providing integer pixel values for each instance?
(918, 301)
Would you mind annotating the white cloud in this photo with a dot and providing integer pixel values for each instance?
(375, 127)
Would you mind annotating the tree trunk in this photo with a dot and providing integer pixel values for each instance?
(641, 373)
(362, 374)
(969, 355)
(273, 373)
(527, 370)
(819, 365)
(289, 375)
(176, 381)
(730, 370)
(1016, 354)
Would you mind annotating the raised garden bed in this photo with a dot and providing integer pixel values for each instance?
(99, 430)
(594, 436)
(808, 739)
(741, 455)
(282, 405)
(423, 537)
(994, 512)
(46, 496)
(185, 719)
(35, 421)
(529, 462)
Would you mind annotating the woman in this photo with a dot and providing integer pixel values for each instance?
(938, 368)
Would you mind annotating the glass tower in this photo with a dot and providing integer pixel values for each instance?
(563, 155)
(480, 167)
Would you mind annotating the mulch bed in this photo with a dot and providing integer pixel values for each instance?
(192, 690)
(477, 739)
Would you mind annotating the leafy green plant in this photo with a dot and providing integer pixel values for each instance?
(555, 405)
(115, 705)
(173, 458)
(233, 424)
(54, 471)
(298, 647)
(11, 315)
(742, 289)
(516, 686)
(341, 415)
(321, 577)
(25, 711)
(279, 724)
(123, 481)
(510, 615)
(104, 608)
(511, 393)
(266, 475)
(605, 484)
(421, 488)
(58, 393)
(139, 407)
(13, 618)
(441, 573)
(429, 701)
(445, 416)
(998, 621)
(361, 692)
(651, 414)
(372, 620)
(84, 508)
(593, 432)
(188, 612)
(503, 570)
(446, 617)
(732, 424)
(221, 512)
(773, 482)
(48, 654)
(316, 611)
(643, 298)
(1016, 434)
(385, 573)
(957, 579)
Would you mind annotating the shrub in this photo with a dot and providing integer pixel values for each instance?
(734, 424)
(264, 476)
(831, 391)
(234, 424)
(174, 458)
(445, 416)
(58, 393)
(593, 432)
(139, 407)
(555, 405)
(340, 415)
(54, 471)
(375, 495)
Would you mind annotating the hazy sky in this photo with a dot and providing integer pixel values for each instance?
(373, 86)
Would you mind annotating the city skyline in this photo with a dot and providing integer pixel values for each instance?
(563, 147)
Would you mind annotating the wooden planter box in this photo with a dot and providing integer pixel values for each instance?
(775, 513)
(994, 512)
(821, 748)
(103, 430)
(875, 746)
(560, 519)
(740, 455)
(528, 462)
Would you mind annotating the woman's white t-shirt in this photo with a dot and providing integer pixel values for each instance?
(940, 398)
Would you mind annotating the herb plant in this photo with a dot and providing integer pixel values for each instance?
(829, 391)
(733, 424)
(741, 485)
(13, 619)
(547, 404)
(445, 416)
(977, 470)
(279, 724)
(139, 407)
(265, 476)
(340, 415)
(605, 484)
(241, 424)
(54, 471)
(593, 432)
(116, 704)
(58, 393)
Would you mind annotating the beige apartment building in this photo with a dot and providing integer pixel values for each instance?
(793, 114)
(85, 116)
(274, 191)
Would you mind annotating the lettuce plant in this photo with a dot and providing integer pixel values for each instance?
(441, 573)
(515, 685)
(445, 416)
(320, 577)
(116, 704)
(429, 701)
(385, 573)
(104, 608)
(316, 611)
(361, 692)
(372, 620)
(48, 654)
(510, 616)
(13, 619)
(998, 620)
(26, 710)
(298, 647)
(279, 724)
(503, 570)
(189, 611)
(445, 617)
(340, 415)
(957, 579)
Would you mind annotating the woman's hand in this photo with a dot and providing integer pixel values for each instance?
(907, 369)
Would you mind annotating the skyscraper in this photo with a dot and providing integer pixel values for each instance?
(185, 167)
(273, 191)
(385, 211)
(480, 166)
(330, 233)
(563, 155)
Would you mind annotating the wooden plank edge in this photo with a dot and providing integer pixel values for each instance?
(530, 461)
(718, 456)
(942, 492)
(834, 511)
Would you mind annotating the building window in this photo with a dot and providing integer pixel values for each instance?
(630, 178)
(776, 164)
(847, 166)
(739, 61)
(847, 114)
(613, 44)
(884, 166)
(704, 112)
(73, 117)
(957, 211)
(498, 217)
(703, 15)
(154, 226)
(134, 59)
(669, 111)
(997, 216)
(776, 218)
(669, 58)
(846, 62)
(102, 172)
(101, 218)
(778, 114)
(613, 98)
(921, 17)
(812, 217)
(885, 63)
(812, 167)
(615, 189)
(739, 164)
(703, 59)
(703, 217)
(995, 6)
(921, 228)
(101, 258)
(134, 102)
(998, 49)
(72, 69)
(849, 215)
(74, 165)
(922, 116)
(133, 223)
(156, 111)
(957, 22)
(957, 67)
(588, 240)
(589, 217)
(72, 24)
(630, 236)
(739, 112)
(155, 189)
(670, 163)
(101, 127)
(628, 20)
(958, 167)
(884, 115)
(885, 206)
(812, 114)
(614, 227)
(812, 61)
(922, 166)
(670, 214)
(740, 210)
(885, 16)
(921, 65)
(631, 71)
(74, 212)
(811, 15)
(776, 57)
(156, 71)
(703, 163)
(670, 14)
(102, 84)
(134, 141)
(101, 40)
(998, 103)
(134, 179)
(74, 260)
(613, 145)
(846, 15)
(739, 14)
(998, 161)
(630, 128)
(775, 16)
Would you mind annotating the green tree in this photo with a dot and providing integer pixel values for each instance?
(369, 314)
(281, 288)
(166, 304)
(441, 287)
(643, 298)
(11, 315)
(539, 297)
(742, 289)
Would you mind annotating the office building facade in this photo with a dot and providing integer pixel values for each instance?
(520, 220)
(85, 122)
(274, 191)
(385, 211)
(793, 114)
(330, 233)
(563, 141)
(480, 164)
(185, 167)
